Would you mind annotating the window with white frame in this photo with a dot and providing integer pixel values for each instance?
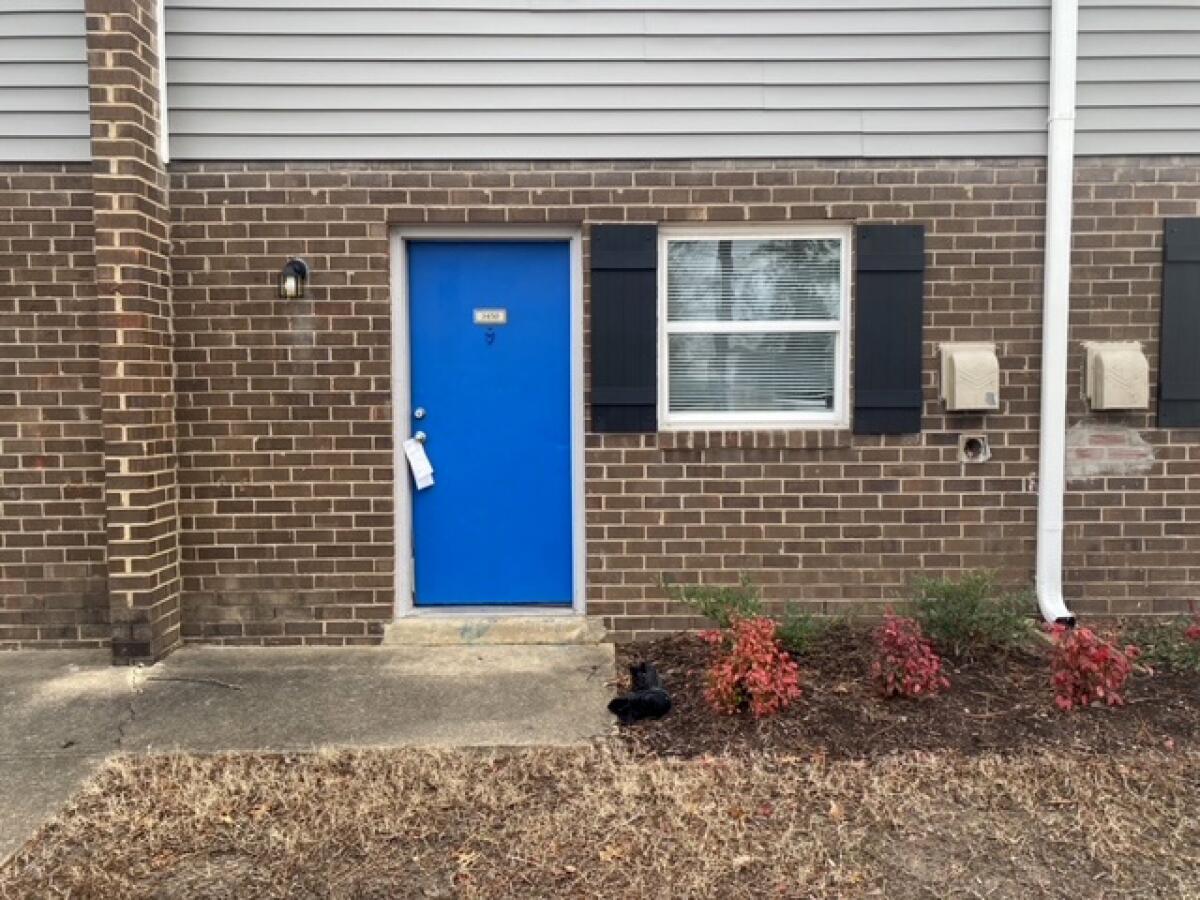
(753, 329)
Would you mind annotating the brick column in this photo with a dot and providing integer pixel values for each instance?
(134, 306)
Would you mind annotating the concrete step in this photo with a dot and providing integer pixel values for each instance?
(469, 630)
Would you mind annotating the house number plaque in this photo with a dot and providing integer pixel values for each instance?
(491, 317)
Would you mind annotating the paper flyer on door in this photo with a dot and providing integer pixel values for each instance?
(418, 462)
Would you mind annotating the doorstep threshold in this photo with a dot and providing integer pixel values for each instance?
(488, 626)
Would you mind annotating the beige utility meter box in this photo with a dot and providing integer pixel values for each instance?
(1118, 376)
(970, 377)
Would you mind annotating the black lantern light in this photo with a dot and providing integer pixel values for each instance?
(292, 278)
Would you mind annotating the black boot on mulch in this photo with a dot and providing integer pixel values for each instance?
(647, 700)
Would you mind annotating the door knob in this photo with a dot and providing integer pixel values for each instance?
(419, 437)
(419, 412)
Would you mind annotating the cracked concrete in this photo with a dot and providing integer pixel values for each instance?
(64, 713)
(60, 712)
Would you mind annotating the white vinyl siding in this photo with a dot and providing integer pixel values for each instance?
(450, 79)
(753, 328)
(1139, 77)
(43, 82)
(314, 79)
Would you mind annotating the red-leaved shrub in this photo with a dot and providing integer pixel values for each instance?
(1087, 669)
(1193, 631)
(905, 663)
(750, 669)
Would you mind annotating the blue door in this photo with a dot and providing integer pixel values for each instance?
(490, 345)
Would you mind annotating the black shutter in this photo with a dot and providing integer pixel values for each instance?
(624, 261)
(1179, 346)
(887, 329)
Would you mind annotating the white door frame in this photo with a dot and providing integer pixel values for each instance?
(401, 398)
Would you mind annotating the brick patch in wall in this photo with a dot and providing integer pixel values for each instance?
(1097, 450)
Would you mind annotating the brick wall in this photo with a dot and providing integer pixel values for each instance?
(284, 406)
(285, 422)
(52, 573)
(1132, 541)
(129, 188)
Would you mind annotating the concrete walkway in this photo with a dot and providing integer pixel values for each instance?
(63, 713)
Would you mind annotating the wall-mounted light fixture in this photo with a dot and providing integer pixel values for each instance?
(292, 278)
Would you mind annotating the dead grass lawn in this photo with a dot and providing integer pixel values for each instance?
(598, 823)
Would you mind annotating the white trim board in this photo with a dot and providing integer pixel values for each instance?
(404, 606)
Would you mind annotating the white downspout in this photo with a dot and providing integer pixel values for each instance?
(1056, 297)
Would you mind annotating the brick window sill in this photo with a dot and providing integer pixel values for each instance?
(795, 439)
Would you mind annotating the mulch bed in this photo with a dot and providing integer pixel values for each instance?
(1001, 704)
